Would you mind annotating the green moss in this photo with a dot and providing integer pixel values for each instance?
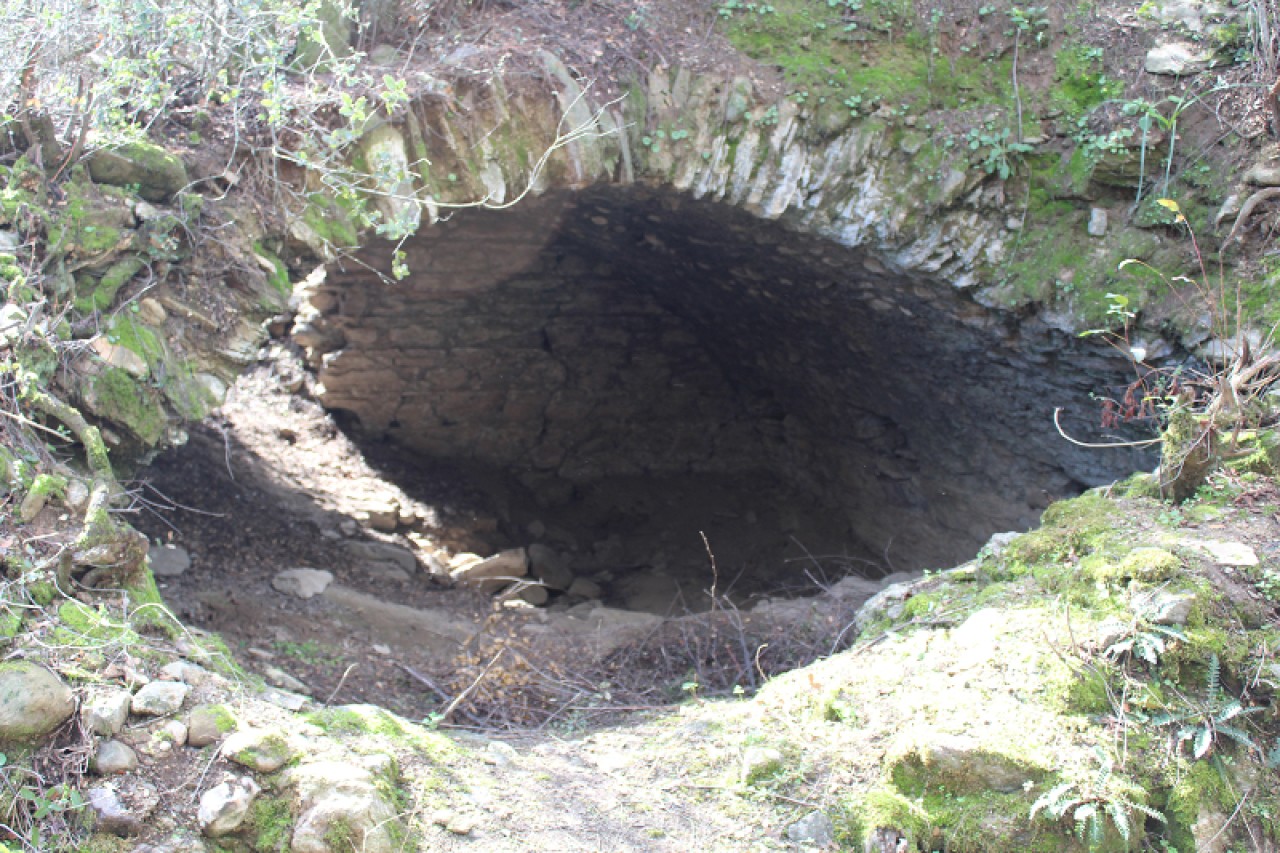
(330, 222)
(985, 822)
(839, 75)
(1074, 527)
(271, 822)
(1199, 785)
(359, 719)
(48, 485)
(87, 627)
(98, 294)
(148, 608)
(1079, 81)
(1257, 452)
(88, 225)
(1149, 565)
(279, 277)
(190, 397)
(138, 338)
(116, 395)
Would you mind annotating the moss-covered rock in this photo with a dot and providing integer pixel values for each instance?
(154, 172)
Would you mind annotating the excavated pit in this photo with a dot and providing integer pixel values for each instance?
(625, 370)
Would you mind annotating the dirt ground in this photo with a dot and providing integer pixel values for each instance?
(272, 483)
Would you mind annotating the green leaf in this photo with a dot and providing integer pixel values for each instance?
(1203, 742)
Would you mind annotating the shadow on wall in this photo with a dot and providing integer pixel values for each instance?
(636, 333)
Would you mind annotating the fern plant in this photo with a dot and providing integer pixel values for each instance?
(1145, 638)
(1091, 804)
(1203, 724)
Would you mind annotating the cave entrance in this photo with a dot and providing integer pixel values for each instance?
(627, 370)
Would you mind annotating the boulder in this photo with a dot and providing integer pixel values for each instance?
(493, 573)
(814, 829)
(340, 807)
(33, 701)
(157, 173)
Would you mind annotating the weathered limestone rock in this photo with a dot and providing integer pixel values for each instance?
(113, 757)
(207, 724)
(33, 701)
(1177, 59)
(265, 750)
(224, 807)
(493, 573)
(815, 828)
(336, 798)
(105, 710)
(159, 698)
(168, 561)
(367, 551)
(122, 807)
(302, 583)
(156, 172)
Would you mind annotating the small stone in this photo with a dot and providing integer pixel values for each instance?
(121, 357)
(113, 757)
(224, 807)
(173, 732)
(263, 750)
(147, 212)
(123, 805)
(382, 515)
(111, 814)
(1097, 222)
(168, 561)
(1164, 608)
(284, 699)
(386, 573)
(815, 828)
(9, 240)
(77, 495)
(302, 583)
(159, 698)
(278, 677)
(1263, 175)
(33, 701)
(1013, 223)
(500, 754)
(187, 673)
(759, 762)
(105, 711)
(382, 649)
(462, 824)
(584, 588)
(207, 724)
(532, 593)
(1177, 59)
(536, 529)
